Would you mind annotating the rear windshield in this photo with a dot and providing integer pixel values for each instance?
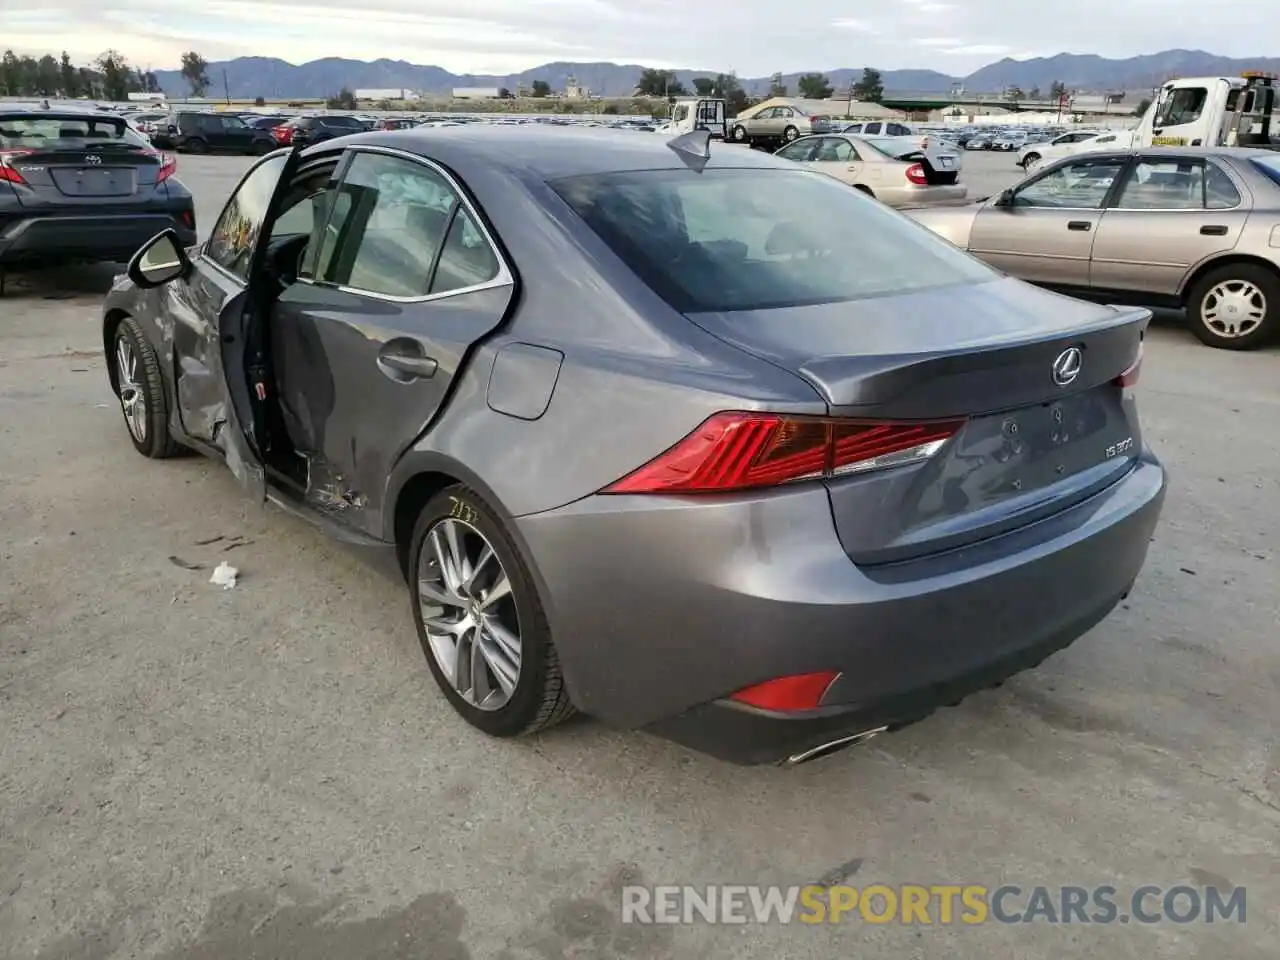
(1269, 167)
(742, 239)
(25, 130)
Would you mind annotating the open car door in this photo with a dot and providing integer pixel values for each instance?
(248, 386)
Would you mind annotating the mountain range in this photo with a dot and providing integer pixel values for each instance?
(1087, 73)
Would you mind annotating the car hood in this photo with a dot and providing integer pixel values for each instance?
(953, 224)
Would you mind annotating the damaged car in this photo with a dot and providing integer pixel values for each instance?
(763, 478)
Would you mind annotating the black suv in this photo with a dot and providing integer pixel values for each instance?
(191, 131)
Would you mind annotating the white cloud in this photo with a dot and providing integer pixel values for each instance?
(501, 36)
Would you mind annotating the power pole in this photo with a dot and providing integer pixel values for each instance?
(226, 89)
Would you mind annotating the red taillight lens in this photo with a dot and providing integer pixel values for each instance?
(168, 165)
(740, 451)
(1130, 376)
(915, 173)
(7, 173)
(802, 692)
(282, 133)
(815, 119)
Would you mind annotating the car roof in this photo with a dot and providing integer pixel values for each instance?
(551, 152)
(56, 114)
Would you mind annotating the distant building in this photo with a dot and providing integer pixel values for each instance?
(395, 93)
(476, 93)
(575, 91)
(146, 97)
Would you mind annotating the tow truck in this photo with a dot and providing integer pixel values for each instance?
(689, 114)
(1211, 112)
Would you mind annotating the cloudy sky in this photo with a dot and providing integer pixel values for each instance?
(755, 37)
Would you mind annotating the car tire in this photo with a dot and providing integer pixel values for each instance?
(195, 145)
(739, 134)
(538, 698)
(141, 391)
(1030, 160)
(790, 134)
(1235, 307)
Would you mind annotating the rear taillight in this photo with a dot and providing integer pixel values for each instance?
(802, 692)
(1130, 376)
(168, 165)
(915, 174)
(7, 173)
(740, 451)
(282, 133)
(816, 119)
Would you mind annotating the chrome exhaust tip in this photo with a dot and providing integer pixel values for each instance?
(833, 746)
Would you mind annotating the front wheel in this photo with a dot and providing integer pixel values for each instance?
(739, 134)
(196, 145)
(1030, 160)
(140, 389)
(480, 621)
(1234, 307)
(789, 134)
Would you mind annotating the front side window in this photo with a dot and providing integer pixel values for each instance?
(389, 219)
(1183, 105)
(681, 113)
(799, 151)
(1075, 186)
(835, 150)
(235, 235)
(742, 239)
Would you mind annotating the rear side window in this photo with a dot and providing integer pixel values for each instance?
(727, 240)
(398, 229)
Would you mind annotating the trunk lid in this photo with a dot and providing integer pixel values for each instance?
(1030, 445)
(84, 173)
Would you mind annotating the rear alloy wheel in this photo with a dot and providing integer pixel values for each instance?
(789, 134)
(140, 387)
(1233, 307)
(196, 145)
(739, 134)
(480, 621)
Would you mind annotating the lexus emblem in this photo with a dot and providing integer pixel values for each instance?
(93, 159)
(1067, 366)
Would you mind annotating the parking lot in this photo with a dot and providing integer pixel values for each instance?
(270, 771)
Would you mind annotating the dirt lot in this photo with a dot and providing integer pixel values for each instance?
(187, 772)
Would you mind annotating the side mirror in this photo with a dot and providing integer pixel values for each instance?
(1005, 199)
(161, 259)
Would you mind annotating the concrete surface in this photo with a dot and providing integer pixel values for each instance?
(187, 772)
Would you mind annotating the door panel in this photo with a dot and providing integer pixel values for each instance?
(353, 400)
(1169, 215)
(192, 306)
(1036, 243)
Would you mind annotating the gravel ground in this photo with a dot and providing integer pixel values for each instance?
(187, 772)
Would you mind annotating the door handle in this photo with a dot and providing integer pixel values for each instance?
(404, 360)
(1214, 230)
(1084, 225)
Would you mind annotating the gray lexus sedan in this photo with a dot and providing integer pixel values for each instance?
(712, 447)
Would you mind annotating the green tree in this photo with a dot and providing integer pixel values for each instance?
(540, 89)
(1141, 108)
(90, 83)
(504, 93)
(659, 83)
(117, 78)
(69, 77)
(777, 88)
(195, 70)
(1035, 94)
(704, 86)
(610, 109)
(10, 72)
(728, 86)
(47, 76)
(1057, 90)
(870, 89)
(815, 86)
(344, 99)
(259, 101)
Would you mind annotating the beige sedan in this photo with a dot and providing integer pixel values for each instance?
(1193, 228)
(887, 169)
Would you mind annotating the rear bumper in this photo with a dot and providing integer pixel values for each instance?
(55, 237)
(663, 607)
(906, 197)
